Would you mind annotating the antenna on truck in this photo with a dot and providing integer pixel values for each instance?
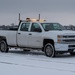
(19, 17)
(39, 17)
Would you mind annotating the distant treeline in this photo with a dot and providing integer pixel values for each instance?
(15, 27)
(70, 27)
(9, 27)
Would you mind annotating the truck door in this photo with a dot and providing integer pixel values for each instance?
(22, 35)
(35, 36)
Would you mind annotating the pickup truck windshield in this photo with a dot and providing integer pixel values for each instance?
(52, 26)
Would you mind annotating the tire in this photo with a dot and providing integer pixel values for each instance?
(3, 46)
(72, 53)
(49, 50)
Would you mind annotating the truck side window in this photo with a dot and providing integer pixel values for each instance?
(24, 27)
(34, 26)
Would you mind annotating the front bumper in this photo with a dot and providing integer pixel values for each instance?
(64, 47)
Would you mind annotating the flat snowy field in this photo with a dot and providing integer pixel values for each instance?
(17, 62)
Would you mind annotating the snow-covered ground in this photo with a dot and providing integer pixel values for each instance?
(17, 62)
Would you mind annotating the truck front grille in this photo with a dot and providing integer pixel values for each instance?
(68, 36)
(68, 39)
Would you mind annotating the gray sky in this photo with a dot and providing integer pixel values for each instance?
(62, 11)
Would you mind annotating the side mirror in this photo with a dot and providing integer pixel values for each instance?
(37, 30)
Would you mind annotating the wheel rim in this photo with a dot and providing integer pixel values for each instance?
(49, 51)
(3, 46)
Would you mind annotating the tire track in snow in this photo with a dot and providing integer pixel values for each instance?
(51, 61)
(16, 64)
(45, 60)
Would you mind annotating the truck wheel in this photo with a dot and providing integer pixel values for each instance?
(49, 50)
(3, 46)
(72, 53)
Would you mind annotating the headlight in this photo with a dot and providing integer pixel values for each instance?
(59, 38)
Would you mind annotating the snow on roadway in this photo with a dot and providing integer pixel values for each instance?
(17, 62)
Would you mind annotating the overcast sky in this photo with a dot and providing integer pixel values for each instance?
(62, 11)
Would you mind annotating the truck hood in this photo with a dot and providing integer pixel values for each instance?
(53, 34)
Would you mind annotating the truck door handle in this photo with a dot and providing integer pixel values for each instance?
(30, 34)
(19, 33)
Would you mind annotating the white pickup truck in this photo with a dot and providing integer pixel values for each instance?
(49, 37)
